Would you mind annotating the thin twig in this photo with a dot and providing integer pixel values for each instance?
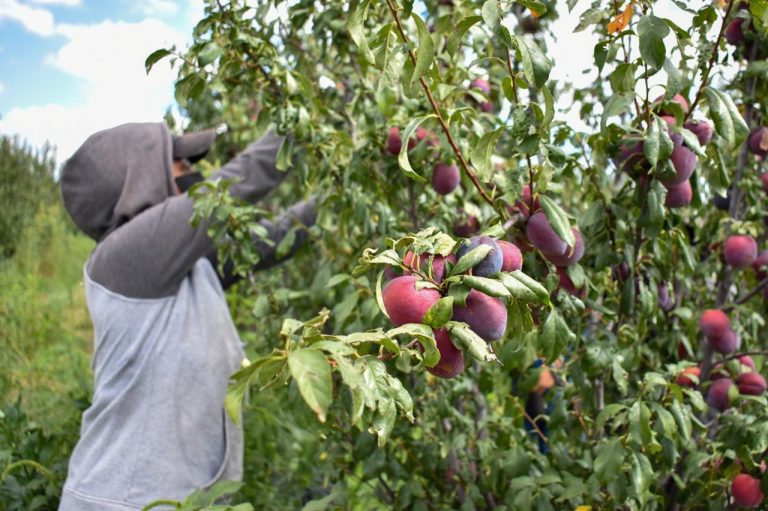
(436, 110)
(752, 292)
(711, 62)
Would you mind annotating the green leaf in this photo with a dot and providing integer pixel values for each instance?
(674, 79)
(536, 65)
(154, 57)
(610, 411)
(652, 31)
(740, 128)
(439, 313)
(384, 420)
(491, 16)
(426, 337)
(540, 291)
(558, 219)
(312, 373)
(425, 53)
(469, 341)
(682, 418)
(491, 287)
(379, 297)
(651, 144)
(620, 375)
(692, 141)
(553, 336)
(517, 289)
(458, 33)
(549, 103)
(666, 146)
(640, 424)
(536, 7)
(402, 158)
(610, 457)
(481, 153)
(471, 259)
(210, 52)
(356, 27)
(618, 104)
(721, 116)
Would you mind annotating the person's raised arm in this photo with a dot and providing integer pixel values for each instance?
(150, 255)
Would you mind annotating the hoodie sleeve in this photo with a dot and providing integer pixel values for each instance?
(304, 212)
(150, 255)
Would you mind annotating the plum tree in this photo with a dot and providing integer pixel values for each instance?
(740, 251)
(336, 75)
(746, 491)
(485, 315)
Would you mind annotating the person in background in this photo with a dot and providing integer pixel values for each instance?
(165, 344)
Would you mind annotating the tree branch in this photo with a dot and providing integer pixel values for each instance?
(711, 62)
(436, 110)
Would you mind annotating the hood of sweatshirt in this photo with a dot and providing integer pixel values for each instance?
(116, 174)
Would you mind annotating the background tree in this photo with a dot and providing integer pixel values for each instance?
(618, 224)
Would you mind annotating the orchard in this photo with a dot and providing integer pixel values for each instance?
(521, 292)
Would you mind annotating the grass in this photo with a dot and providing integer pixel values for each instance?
(44, 322)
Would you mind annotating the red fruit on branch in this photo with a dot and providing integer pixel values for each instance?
(485, 315)
(746, 491)
(541, 235)
(405, 303)
(513, 258)
(451, 359)
(679, 195)
(466, 227)
(727, 343)
(570, 257)
(438, 264)
(717, 395)
(445, 178)
(714, 323)
(683, 379)
(752, 384)
(757, 143)
(702, 129)
(740, 251)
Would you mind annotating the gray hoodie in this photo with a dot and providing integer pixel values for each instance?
(164, 342)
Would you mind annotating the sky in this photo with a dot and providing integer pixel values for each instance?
(69, 68)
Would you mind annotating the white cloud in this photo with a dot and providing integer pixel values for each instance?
(158, 8)
(2, 87)
(109, 59)
(66, 3)
(36, 20)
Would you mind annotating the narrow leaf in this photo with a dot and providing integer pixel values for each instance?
(310, 369)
